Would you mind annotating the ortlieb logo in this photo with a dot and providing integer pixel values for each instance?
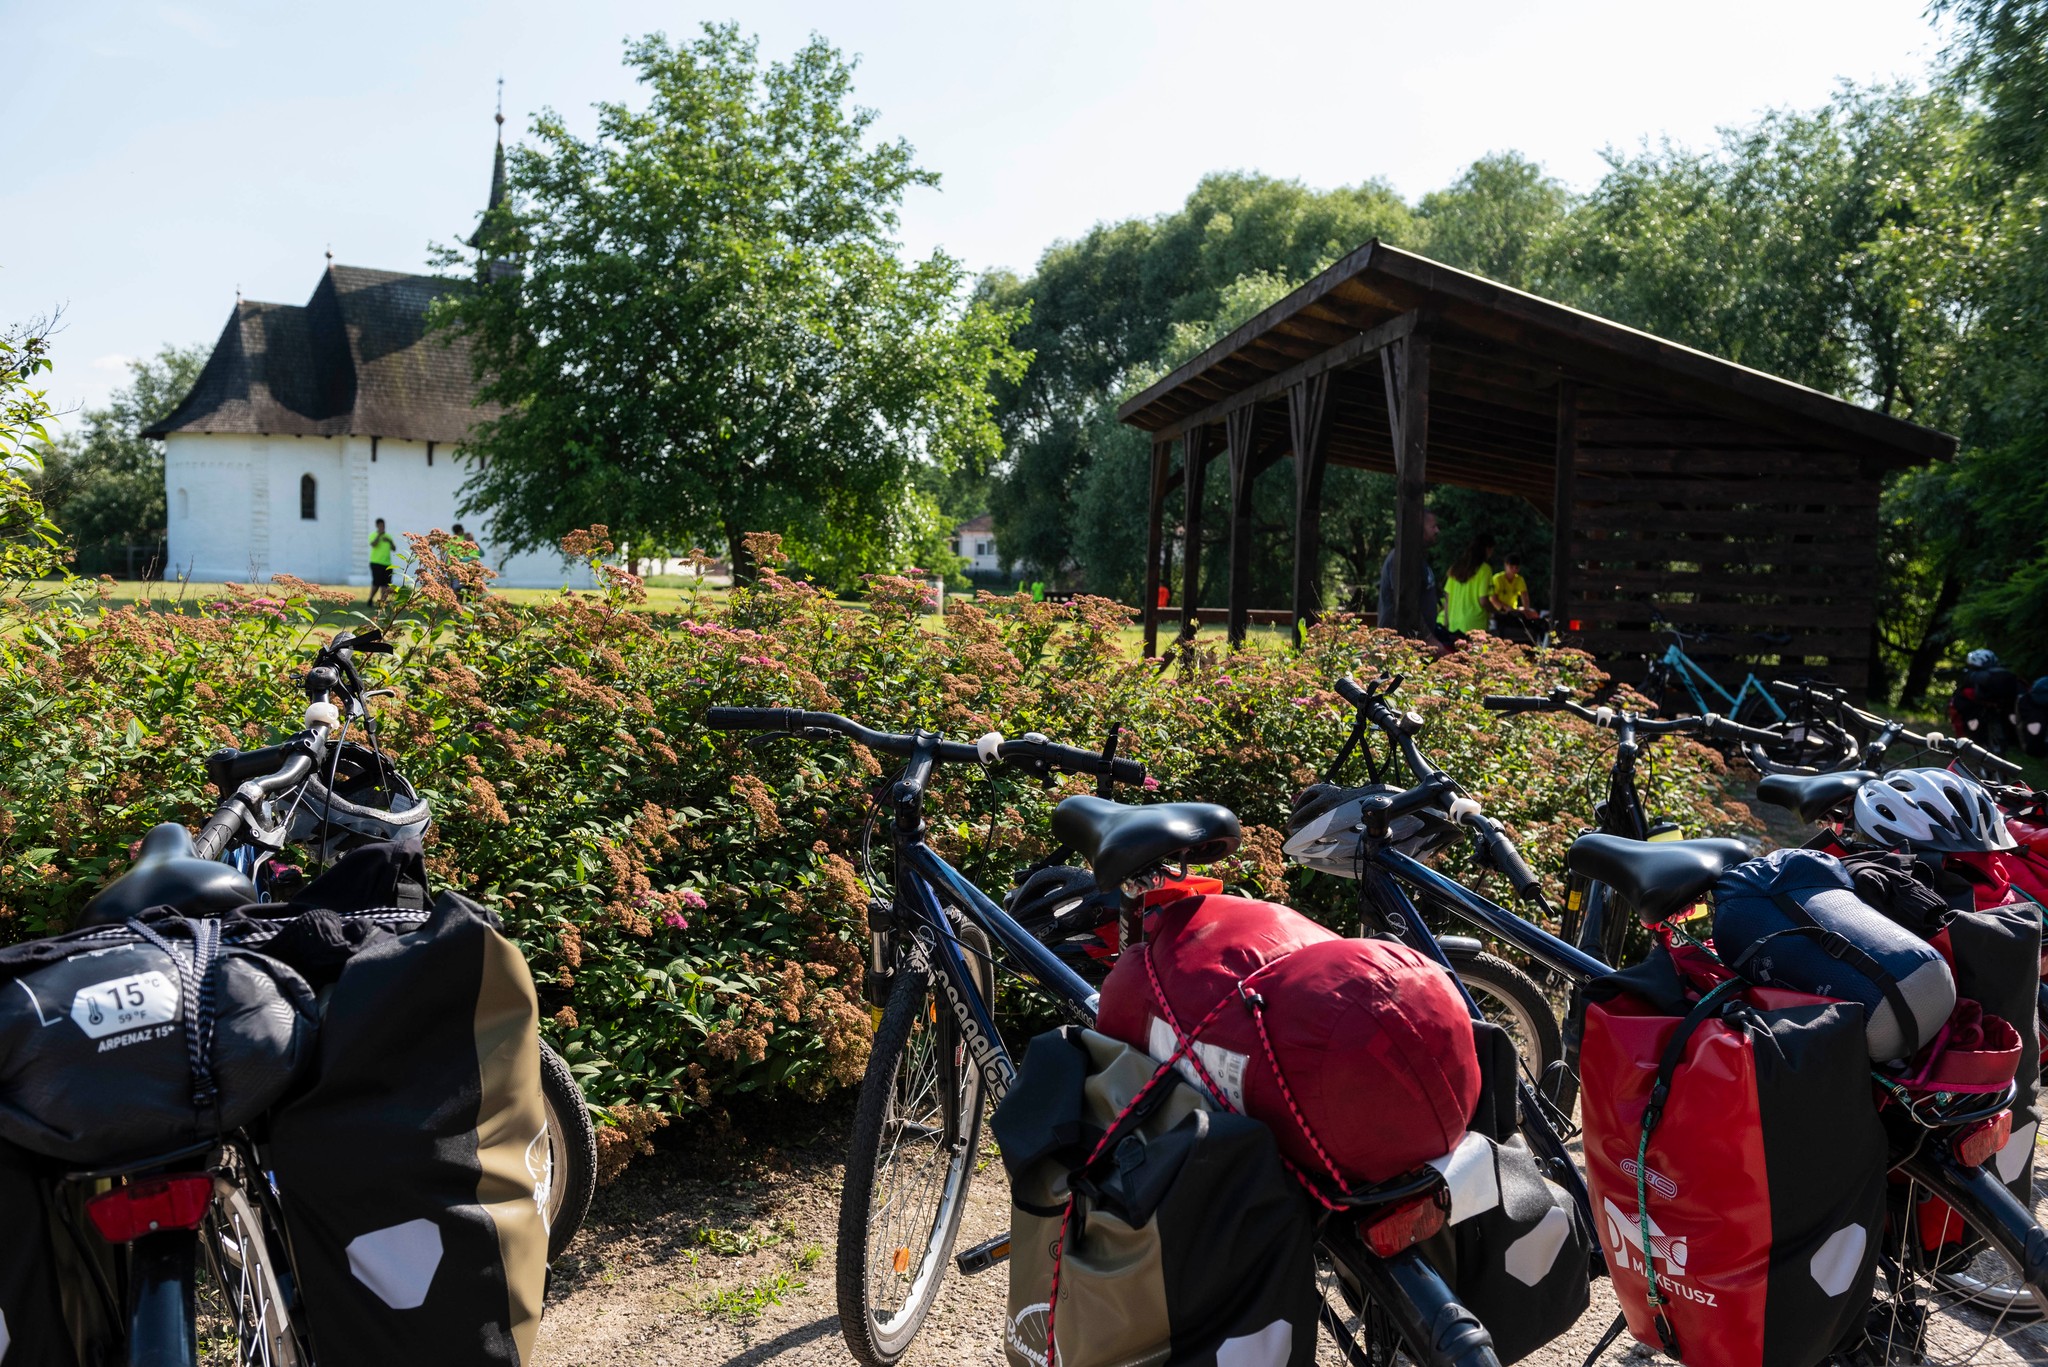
(1656, 1180)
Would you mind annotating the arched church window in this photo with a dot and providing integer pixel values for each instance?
(309, 498)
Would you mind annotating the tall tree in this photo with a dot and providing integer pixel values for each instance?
(28, 539)
(1494, 218)
(103, 482)
(700, 324)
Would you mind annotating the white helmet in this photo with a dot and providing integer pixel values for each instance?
(1326, 830)
(1931, 811)
(1981, 658)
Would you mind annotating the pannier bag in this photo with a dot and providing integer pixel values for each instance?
(414, 1169)
(50, 1263)
(1168, 1231)
(1792, 919)
(1996, 955)
(1736, 1163)
(2032, 716)
(1358, 1053)
(123, 1042)
(1516, 1249)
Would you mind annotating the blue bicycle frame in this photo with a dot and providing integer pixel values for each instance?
(1692, 676)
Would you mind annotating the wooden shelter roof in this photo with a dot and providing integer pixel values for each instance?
(1499, 354)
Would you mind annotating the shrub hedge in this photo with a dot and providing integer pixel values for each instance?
(693, 905)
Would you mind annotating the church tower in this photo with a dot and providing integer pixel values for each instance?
(497, 253)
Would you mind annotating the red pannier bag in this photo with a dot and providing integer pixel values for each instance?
(1758, 1194)
(1358, 1053)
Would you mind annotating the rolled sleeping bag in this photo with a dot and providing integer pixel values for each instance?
(1792, 919)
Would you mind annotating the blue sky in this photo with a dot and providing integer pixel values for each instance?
(159, 155)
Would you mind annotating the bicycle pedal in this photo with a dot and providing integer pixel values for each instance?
(984, 1255)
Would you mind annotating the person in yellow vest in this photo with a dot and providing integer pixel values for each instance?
(381, 550)
(1466, 586)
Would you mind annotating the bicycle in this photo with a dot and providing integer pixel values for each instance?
(932, 1072)
(2002, 1266)
(1868, 739)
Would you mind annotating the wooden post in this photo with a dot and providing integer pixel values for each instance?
(1308, 422)
(1194, 463)
(1412, 605)
(1238, 428)
(1561, 505)
(1155, 510)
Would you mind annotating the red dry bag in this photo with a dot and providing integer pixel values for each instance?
(1358, 1053)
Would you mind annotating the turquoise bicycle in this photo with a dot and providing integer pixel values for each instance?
(1809, 741)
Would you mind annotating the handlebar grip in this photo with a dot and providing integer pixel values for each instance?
(219, 829)
(1512, 866)
(1350, 692)
(1735, 730)
(1510, 702)
(753, 718)
(1127, 771)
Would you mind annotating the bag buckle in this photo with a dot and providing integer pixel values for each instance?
(1835, 944)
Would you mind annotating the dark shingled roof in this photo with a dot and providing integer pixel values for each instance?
(354, 361)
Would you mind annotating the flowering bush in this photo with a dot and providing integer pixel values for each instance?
(691, 904)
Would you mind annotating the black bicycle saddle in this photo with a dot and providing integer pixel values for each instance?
(1120, 842)
(1813, 796)
(165, 874)
(1655, 877)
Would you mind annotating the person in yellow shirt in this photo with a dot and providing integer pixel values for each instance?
(1513, 614)
(1466, 587)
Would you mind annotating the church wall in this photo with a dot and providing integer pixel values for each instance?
(315, 548)
(210, 490)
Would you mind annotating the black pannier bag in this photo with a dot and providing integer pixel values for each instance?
(1516, 1251)
(119, 1043)
(50, 1315)
(1792, 919)
(1185, 1240)
(413, 1170)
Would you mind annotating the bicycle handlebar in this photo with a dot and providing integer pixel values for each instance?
(992, 749)
(1710, 723)
(1934, 742)
(302, 752)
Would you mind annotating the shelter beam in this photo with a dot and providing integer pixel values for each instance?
(1308, 421)
(1562, 495)
(1194, 445)
(1410, 419)
(1238, 429)
(1155, 510)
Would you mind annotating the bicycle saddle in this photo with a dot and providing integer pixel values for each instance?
(1655, 877)
(165, 874)
(1120, 842)
(1813, 796)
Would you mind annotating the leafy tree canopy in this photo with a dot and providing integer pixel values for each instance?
(700, 324)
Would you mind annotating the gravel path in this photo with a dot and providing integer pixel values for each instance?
(717, 1252)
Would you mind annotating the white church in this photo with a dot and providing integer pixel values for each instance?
(311, 421)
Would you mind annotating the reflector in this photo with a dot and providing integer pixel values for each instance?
(1976, 1145)
(150, 1205)
(1405, 1225)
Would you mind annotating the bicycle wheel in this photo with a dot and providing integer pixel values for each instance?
(1510, 999)
(1805, 744)
(916, 1132)
(1961, 1302)
(1353, 1325)
(570, 1174)
(243, 1290)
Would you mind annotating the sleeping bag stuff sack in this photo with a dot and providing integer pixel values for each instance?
(1736, 1164)
(1147, 1226)
(122, 1042)
(1358, 1053)
(1792, 919)
(414, 1168)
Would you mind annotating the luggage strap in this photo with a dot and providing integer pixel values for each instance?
(195, 996)
(1709, 1007)
(1839, 946)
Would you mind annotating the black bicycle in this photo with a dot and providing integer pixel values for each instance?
(932, 1072)
(1871, 742)
(1988, 1286)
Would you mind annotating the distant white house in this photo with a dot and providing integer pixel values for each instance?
(976, 540)
(311, 421)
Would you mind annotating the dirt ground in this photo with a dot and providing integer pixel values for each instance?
(717, 1251)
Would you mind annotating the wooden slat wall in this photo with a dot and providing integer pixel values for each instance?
(1725, 528)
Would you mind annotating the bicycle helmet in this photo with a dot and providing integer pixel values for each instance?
(368, 800)
(1326, 830)
(1981, 658)
(1930, 811)
(1050, 900)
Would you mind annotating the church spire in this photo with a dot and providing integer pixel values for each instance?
(497, 199)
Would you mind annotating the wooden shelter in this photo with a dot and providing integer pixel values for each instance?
(1730, 499)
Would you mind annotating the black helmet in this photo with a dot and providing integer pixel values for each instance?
(367, 800)
(1057, 901)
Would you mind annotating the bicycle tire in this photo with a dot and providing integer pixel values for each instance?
(238, 1286)
(913, 1027)
(1511, 999)
(1964, 1288)
(572, 1151)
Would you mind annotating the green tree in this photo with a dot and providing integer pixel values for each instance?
(103, 483)
(700, 325)
(1494, 219)
(28, 539)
